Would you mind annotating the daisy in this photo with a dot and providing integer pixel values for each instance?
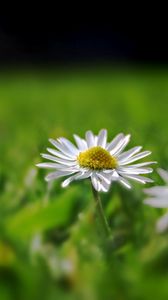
(158, 197)
(95, 158)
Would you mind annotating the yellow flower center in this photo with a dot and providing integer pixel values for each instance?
(97, 158)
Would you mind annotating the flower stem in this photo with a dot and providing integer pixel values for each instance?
(101, 212)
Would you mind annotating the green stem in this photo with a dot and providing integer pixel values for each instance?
(100, 211)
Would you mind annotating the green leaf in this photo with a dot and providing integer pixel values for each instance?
(37, 217)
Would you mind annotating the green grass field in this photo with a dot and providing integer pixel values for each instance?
(51, 244)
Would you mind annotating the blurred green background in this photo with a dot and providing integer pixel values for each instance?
(51, 245)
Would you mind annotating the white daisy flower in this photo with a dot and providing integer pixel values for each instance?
(94, 157)
(158, 197)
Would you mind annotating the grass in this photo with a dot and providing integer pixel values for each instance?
(51, 245)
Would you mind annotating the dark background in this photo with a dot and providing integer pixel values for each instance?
(39, 39)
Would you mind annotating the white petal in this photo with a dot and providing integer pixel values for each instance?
(59, 154)
(105, 186)
(69, 145)
(140, 179)
(102, 138)
(157, 202)
(157, 191)
(135, 171)
(85, 174)
(114, 176)
(81, 143)
(80, 175)
(57, 174)
(57, 167)
(48, 165)
(125, 155)
(62, 148)
(162, 224)
(66, 182)
(59, 160)
(125, 182)
(95, 182)
(90, 139)
(105, 176)
(96, 138)
(136, 157)
(163, 174)
(140, 165)
(115, 142)
(118, 149)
